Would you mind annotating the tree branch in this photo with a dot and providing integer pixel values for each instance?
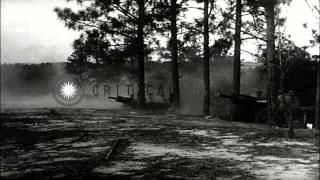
(227, 18)
(125, 12)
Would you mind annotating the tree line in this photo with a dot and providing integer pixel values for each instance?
(119, 35)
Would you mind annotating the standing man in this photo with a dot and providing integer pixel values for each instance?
(287, 105)
(282, 111)
(293, 103)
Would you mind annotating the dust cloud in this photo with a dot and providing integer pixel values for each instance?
(30, 86)
(33, 90)
(191, 84)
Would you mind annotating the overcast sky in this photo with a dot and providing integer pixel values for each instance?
(297, 14)
(31, 32)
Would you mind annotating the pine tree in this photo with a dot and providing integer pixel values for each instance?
(273, 75)
(206, 59)
(237, 49)
(115, 32)
(211, 25)
(174, 54)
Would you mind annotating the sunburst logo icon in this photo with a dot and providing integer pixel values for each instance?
(67, 91)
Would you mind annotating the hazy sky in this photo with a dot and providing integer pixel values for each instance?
(297, 14)
(31, 32)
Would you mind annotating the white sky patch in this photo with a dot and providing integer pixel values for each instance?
(297, 14)
(31, 32)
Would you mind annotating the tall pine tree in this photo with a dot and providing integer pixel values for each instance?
(237, 49)
(206, 59)
(115, 32)
(174, 54)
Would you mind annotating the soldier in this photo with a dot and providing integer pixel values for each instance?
(287, 104)
(171, 98)
(282, 101)
(293, 103)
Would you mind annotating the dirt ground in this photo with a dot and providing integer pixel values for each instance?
(76, 143)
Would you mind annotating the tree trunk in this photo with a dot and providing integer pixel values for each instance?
(237, 48)
(174, 55)
(141, 100)
(317, 118)
(206, 66)
(271, 62)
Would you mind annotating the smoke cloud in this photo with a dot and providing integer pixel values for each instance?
(30, 86)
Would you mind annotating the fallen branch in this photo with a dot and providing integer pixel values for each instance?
(111, 149)
(70, 142)
(116, 145)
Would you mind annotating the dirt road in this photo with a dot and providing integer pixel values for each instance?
(74, 143)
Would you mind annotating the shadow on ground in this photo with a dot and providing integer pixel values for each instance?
(74, 144)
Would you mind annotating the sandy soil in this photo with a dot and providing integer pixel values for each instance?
(73, 143)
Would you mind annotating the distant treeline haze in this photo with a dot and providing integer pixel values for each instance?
(33, 80)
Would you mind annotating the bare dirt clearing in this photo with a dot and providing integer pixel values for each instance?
(74, 143)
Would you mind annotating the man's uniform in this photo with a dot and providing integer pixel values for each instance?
(287, 104)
